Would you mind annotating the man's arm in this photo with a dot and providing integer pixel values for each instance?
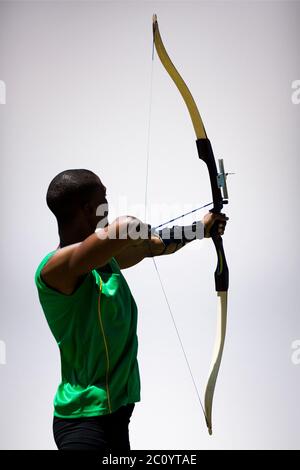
(132, 255)
(170, 240)
(70, 264)
(162, 242)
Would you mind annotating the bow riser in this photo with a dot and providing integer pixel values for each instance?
(206, 154)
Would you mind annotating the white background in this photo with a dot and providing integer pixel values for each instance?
(78, 89)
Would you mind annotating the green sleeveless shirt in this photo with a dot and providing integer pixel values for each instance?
(95, 329)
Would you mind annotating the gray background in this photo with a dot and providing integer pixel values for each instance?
(78, 83)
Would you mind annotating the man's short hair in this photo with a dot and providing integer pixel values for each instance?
(69, 191)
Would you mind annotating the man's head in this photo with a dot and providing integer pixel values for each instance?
(73, 196)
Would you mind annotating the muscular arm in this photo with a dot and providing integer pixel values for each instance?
(167, 241)
(70, 264)
(130, 256)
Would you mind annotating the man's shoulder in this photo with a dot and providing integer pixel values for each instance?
(41, 265)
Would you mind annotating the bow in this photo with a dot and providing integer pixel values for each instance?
(217, 181)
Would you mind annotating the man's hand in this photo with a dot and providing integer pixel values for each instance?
(210, 219)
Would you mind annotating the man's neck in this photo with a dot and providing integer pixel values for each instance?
(69, 237)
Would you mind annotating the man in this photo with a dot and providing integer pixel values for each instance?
(91, 312)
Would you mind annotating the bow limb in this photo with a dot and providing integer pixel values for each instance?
(205, 153)
(179, 82)
(216, 358)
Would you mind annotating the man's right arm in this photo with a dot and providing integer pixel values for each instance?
(70, 264)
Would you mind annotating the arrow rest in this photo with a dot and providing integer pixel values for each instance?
(222, 180)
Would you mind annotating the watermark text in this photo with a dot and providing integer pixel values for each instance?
(2, 353)
(2, 92)
(296, 93)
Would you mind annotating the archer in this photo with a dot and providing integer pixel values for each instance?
(91, 311)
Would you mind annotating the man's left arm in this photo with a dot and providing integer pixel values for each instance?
(153, 246)
(161, 242)
(169, 240)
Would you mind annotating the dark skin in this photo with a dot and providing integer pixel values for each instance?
(81, 249)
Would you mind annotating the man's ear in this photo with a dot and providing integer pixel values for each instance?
(88, 209)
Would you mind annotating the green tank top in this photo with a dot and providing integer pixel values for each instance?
(95, 329)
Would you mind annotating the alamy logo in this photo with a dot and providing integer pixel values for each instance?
(296, 94)
(296, 353)
(2, 92)
(2, 353)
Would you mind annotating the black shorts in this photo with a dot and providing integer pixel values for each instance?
(105, 433)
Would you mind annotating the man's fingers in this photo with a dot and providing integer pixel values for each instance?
(221, 220)
(221, 217)
(221, 228)
(214, 224)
